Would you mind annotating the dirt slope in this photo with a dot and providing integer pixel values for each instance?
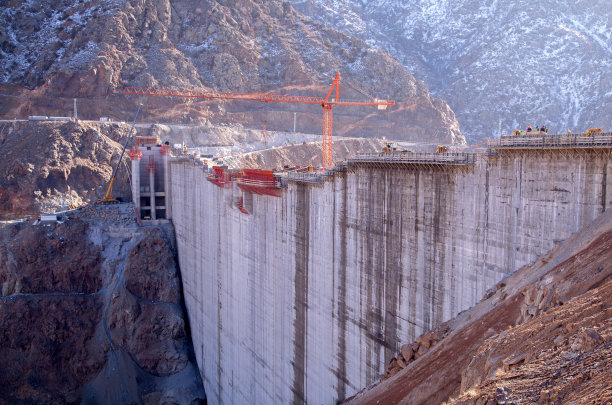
(305, 154)
(543, 335)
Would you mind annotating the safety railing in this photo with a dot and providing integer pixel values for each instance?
(305, 177)
(257, 183)
(598, 140)
(451, 158)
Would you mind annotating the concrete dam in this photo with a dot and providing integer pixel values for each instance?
(304, 294)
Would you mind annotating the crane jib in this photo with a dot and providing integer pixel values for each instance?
(326, 103)
(264, 98)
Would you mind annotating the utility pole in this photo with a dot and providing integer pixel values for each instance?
(294, 119)
(76, 118)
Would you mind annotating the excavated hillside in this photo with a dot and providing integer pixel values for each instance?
(52, 166)
(52, 52)
(304, 154)
(542, 335)
(49, 165)
(91, 312)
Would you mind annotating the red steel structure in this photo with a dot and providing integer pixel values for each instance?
(220, 177)
(258, 181)
(325, 103)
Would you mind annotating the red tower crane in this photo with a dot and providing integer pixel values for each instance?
(325, 103)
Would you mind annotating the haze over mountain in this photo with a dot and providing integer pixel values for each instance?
(500, 65)
(53, 51)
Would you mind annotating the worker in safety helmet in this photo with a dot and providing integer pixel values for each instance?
(529, 129)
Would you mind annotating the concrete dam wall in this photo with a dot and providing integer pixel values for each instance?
(307, 298)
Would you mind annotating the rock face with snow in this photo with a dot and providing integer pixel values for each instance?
(93, 50)
(503, 65)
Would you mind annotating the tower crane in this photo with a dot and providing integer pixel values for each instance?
(326, 104)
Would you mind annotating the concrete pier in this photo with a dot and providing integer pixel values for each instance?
(307, 298)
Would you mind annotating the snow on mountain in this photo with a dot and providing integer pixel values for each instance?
(500, 65)
(37, 34)
(78, 48)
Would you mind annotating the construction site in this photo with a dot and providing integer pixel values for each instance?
(305, 202)
(304, 280)
(301, 284)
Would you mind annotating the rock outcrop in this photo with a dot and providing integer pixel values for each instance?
(91, 312)
(304, 154)
(50, 165)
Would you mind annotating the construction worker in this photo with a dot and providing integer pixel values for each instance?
(529, 129)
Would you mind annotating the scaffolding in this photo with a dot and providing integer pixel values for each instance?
(450, 158)
(565, 145)
(220, 177)
(601, 140)
(305, 177)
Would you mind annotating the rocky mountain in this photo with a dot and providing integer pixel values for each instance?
(52, 52)
(53, 166)
(500, 65)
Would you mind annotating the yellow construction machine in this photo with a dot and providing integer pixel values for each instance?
(389, 147)
(441, 149)
(108, 198)
(593, 131)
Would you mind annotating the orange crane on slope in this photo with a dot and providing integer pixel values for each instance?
(325, 103)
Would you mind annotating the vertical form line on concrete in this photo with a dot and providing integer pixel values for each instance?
(300, 325)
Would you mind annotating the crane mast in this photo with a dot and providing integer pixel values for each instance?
(325, 103)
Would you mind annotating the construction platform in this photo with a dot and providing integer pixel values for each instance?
(441, 159)
(602, 140)
(303, 177)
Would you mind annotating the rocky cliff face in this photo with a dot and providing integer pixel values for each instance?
(92, 50)
(90, 312)
(500, 66)
(48, 166)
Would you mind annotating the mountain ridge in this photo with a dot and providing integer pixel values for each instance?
(94, 49)
(501, 66)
